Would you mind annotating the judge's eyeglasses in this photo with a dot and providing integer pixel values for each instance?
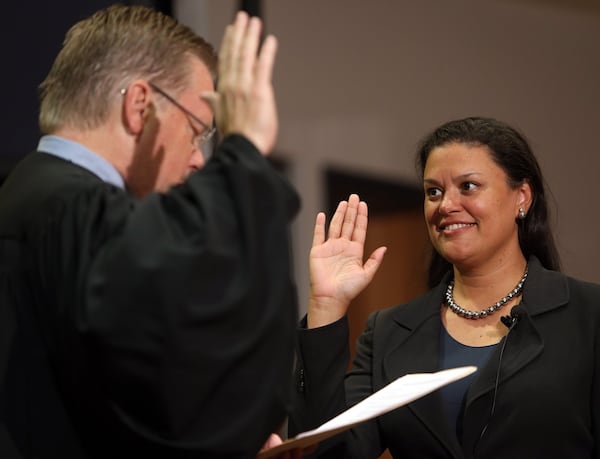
(207, 131)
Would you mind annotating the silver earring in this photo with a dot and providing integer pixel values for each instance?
(522, 214)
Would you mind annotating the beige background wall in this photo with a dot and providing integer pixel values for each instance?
(358, 83)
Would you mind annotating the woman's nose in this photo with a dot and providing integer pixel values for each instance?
(450, 202)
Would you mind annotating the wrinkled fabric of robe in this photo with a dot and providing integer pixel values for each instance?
(160, 327)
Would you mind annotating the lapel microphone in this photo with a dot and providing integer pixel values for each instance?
(509, 321)
(512, 319)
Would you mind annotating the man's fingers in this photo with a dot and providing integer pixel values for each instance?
(266, 60)
(247, 104)
(248, 52)
(211, 98)
(225, 51)
(234, 45)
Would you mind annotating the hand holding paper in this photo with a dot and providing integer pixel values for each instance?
(396, 394)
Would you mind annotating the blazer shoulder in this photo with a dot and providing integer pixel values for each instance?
(410, 314)
(584, 291)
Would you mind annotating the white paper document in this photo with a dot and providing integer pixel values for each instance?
(396, 394)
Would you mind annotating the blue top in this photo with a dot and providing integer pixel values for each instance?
(454, 354)
(80, 155)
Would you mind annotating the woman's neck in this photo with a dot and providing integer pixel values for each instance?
(476, 289)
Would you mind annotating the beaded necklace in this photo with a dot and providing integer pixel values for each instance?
(487, 311)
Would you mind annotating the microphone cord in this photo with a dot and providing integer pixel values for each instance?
(513, 322)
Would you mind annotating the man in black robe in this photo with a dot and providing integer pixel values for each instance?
(146, 293)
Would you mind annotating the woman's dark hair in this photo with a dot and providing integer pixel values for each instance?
(511, 151)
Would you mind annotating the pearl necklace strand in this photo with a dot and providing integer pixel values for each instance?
(487, 311)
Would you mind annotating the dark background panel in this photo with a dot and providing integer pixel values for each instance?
(30, 37)
(383, 196)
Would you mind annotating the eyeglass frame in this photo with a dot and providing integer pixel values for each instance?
(202, 137)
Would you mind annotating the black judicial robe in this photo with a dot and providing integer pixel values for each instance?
(160, 327)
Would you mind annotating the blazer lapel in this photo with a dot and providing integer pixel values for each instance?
(414, 348)
(415, 343)
(544, 291)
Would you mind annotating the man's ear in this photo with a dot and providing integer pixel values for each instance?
(137, 106)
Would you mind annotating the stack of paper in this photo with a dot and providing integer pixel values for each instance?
(398, 393)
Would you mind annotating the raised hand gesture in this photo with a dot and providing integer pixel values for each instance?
(337, 271)
(244, 102)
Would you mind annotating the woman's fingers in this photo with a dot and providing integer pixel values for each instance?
(350, 217)
(350, 220)
(319, 233)
(335, 227)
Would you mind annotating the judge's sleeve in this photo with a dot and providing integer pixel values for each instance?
(189, 311)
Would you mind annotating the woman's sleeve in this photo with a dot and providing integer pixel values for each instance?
(324, 389)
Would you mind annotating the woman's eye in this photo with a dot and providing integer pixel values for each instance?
(433, 192)
(469, 186)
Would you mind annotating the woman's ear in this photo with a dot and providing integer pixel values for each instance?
(137, 106)
(525, 197)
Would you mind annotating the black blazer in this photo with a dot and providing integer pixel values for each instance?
(548, 398)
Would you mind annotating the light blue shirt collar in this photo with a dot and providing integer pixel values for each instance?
(83, 157)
